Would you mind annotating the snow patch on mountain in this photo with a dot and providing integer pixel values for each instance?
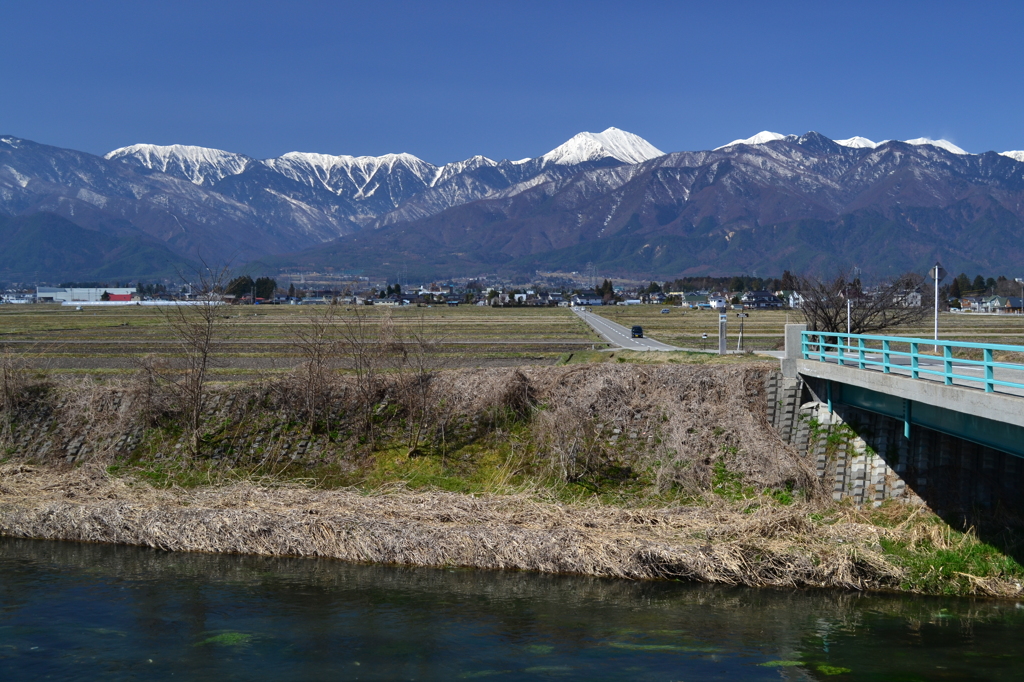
(1015, 155)
(332, 171)
(760, 138)
(452, 169)
(858, 142)
(613, 143)
(201, 165)
(941, 144)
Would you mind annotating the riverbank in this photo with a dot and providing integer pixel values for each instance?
(711, 543)
(757, 542)
(623, 470)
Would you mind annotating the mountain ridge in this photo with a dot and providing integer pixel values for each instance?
(612, 195)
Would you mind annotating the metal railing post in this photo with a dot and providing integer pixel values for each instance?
(860, 353)
(989, 371)
(886, 368)
(914, 374)
(947, 355)
(821, 348)
(840, 347)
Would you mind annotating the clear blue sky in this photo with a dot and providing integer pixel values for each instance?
(446, 80)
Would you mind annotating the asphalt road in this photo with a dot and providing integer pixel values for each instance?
(618, 335)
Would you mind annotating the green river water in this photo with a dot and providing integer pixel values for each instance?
(73, 611)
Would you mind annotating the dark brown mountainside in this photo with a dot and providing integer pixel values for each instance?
(798, 204)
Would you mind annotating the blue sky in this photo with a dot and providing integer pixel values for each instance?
(446, 80)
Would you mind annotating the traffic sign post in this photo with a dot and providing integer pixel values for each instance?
(723, 319)
(739, 344)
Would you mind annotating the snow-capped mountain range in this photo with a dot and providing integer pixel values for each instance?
(221, 204)
(858, 142)
(855, 142)
(204, 166)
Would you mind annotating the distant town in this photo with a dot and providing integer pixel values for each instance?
(980, 295)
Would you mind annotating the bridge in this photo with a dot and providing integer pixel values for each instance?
(894, 417)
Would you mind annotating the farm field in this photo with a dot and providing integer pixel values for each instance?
(764, 329)
(263, 338)
(254, 341)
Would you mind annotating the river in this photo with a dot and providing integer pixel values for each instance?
(73, 611)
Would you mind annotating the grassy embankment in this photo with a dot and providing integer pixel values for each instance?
(567, 447)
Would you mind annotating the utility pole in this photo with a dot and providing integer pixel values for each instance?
(849, 302)
(938, 274)
(739, 344)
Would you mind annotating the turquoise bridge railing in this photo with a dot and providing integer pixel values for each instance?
(899, 354)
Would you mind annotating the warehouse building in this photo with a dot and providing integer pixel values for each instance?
(69, 294)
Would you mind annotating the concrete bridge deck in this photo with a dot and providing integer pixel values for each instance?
(962, 408)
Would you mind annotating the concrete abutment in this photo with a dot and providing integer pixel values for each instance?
(864, 457)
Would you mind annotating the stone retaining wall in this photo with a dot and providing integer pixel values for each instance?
(864, 457)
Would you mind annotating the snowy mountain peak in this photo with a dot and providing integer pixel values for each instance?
(201, 165)
(613, 143)
(857, 142)
(456, 167)
(1015, 155)
(941, 144)
(760, 138)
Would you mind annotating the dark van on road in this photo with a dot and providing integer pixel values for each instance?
(638, 332)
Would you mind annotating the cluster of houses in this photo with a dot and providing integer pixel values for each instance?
(991, 304)
(712, 300)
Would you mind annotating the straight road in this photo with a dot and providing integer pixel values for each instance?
(617, 335)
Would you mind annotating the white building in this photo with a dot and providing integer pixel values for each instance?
(63, 294)
(718, 302)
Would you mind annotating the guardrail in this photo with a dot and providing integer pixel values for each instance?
(866, 351)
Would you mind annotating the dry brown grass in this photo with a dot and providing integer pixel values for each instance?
(717, 542)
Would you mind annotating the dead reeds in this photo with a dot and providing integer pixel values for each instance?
(13, 384)
(712, 543)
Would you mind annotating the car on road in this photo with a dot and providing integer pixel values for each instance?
(665, 311)
(637, 332)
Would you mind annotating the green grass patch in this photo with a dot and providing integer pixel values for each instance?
(951, 569)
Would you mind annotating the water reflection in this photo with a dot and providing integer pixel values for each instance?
(73, 611)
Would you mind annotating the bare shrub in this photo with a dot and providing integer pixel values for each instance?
(369, 346)
(572, 442)
(418, 360)
(13, 387)
(98, 412)
(319, 342)
(147, 388)
(676, 426)
(195, 327)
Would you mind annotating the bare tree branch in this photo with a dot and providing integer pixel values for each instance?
(194, 326)
(889, 304)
